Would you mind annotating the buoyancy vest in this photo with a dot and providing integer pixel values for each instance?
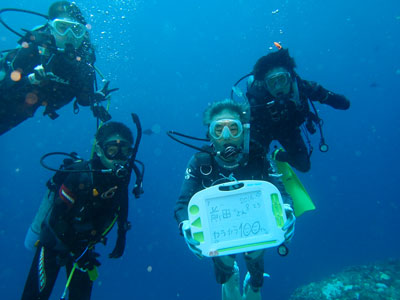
(92, 214)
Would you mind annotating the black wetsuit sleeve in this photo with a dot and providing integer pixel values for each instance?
(123, 224)
(85, 86)
(296, 152)
(316, 92)
(123, 212)
(191, 185)
(23, 60)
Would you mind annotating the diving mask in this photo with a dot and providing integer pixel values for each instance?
(117, 150)
(225, 128)
(277, 81)
(63, 26)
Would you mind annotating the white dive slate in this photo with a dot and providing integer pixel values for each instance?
(237, 217)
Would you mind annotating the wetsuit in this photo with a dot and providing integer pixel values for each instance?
(202, 172)
(74, 78)
(280, 120)
(86, 206)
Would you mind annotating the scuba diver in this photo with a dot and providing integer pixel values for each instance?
(278, 99)
(53, 65)
(84, 200)
(230, 157)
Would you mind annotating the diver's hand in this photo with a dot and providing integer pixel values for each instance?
(290, 222)
(121, 240)
(190, 241)
(101, 113)
(119, 247)
(104, 93)
(39, 75)
(87, 260)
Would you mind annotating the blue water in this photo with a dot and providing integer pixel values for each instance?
(170, 59)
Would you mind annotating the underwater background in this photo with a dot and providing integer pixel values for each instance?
(170, 59)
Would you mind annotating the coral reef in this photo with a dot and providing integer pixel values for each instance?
(379, 281)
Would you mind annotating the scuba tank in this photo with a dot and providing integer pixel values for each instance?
(46, 206)
(33, 234)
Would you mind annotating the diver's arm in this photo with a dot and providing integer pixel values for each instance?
(276, 181)
(29, 55)
(191, 185)
(316, 92)
(85, 95)
(124, 208)
(123, 225)
(18, 64)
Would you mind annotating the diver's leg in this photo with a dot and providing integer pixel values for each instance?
(42, 275)
(296, 152)
(227, 274)
(81, 286)
(15, 109)
(255, 277)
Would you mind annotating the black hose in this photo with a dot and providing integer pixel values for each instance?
(19, 10)
(323, 146)
(74, 157)
(237, 82)
(172, 133)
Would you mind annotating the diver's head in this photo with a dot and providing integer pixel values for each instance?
(276, 72)
(67, 24)
(278, 82)
(114, 145)
(225, 120)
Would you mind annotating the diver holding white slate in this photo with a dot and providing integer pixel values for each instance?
(237, 217)
(231, 203)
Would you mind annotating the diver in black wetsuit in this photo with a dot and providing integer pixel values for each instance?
(52, 66)
(85, 206)
(279, 106)
(237, 159)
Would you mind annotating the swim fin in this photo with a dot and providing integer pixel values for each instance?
(301, 199)
(231, 289)
(248, 292)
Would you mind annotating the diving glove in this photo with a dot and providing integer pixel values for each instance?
(289, 225)
(121, 241)
(39, 75)
(101, 113)
(87, 260)
(190, 241)
(104, 93)
(119, 247)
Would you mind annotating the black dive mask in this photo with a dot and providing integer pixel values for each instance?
(117, 150)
